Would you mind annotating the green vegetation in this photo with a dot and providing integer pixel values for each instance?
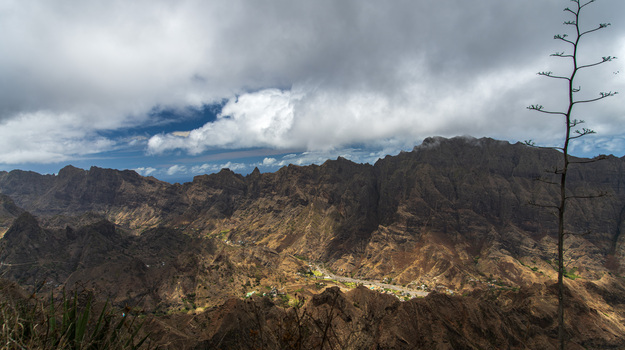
(70, 323)
(351, 284)
(306, 272)
(284, 299)
(319, 285)
(570, 274)
(221, 235)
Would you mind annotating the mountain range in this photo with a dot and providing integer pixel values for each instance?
(466, 220)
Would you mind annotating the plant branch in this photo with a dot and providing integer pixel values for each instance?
(581, 133)
(588, 196)
(602, 95)
(546, 181)
(533, 144)
(603, 60)
(563, 38)
(540, 205)
(584, 5)
(540, 108)
(601, 26)
(573, 123)
(561, 54)
(550, 75)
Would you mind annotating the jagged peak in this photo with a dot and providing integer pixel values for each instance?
(224, 174)
(226, 171)
(255, 172)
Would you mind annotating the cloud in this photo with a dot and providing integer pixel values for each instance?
(251, 120)
(314, 118)
(358, 155)
(211, 168)
(180, 170)
(599, 145)
(313, 76)
(44, 137)
(269, 161)
(145, 171)
(461, 80)
(176, 169)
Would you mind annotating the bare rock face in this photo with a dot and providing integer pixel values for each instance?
(453, 216)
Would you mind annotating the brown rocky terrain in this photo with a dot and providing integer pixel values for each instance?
(363, 319)
(453, 216)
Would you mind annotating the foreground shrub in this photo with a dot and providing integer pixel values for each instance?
(72, 322)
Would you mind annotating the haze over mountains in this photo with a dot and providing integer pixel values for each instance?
(454, 217)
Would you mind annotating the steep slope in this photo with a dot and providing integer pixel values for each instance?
(462, 207)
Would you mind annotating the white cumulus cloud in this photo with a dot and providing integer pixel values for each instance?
(259, 119)
(176, 169)
(146, 171)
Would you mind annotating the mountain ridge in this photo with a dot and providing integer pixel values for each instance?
(453, 215)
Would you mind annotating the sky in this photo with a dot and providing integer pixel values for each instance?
(174, 89)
